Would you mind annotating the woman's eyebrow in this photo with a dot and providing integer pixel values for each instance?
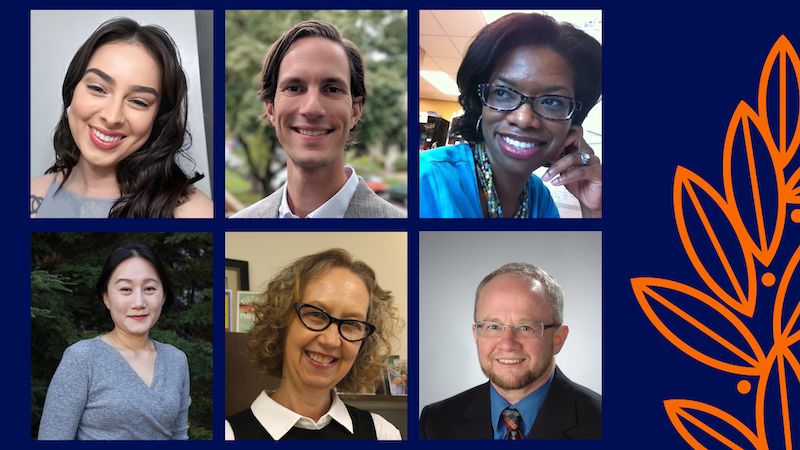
(110, 80)
(143, 89)
(546, 89)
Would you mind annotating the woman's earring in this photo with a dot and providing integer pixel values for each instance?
(478, 125)
(66, 111)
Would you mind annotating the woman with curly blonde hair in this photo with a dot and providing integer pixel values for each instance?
(323, 323)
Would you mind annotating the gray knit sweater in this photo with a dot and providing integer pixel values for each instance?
(96, 395)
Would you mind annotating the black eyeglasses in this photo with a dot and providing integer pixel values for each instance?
(523, 330)
(552, 107)
(316, 319)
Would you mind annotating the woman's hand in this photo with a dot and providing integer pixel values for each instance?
(583, 180)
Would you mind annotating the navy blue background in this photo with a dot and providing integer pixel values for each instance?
(673, 75)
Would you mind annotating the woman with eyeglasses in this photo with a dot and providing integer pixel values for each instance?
(323, 323)
(527, 83)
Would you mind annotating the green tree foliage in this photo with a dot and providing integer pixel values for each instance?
(65, 307)
(380, 35)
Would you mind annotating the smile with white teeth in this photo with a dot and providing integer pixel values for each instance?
(319, 358)
(312, 132)
(517, 144)
(105, 138)
(510, 361)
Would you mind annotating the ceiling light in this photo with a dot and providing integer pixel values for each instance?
(440, 81)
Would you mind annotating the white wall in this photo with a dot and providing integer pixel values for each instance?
(386, 253)
(57, 35)
(451, 266)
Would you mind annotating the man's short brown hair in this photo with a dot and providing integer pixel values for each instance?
(312, 28)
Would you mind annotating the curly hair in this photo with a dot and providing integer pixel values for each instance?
(312, 28)
(266, 340)
(151, 182)
(582, 52)
(530, 272)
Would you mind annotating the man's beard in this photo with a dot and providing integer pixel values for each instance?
(528, 378)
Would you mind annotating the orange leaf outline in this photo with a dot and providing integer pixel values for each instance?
(762, 247)
(781, 333)
(678, 409)
(643, 287)
(755, 245)
(684, 182)
(780, 52)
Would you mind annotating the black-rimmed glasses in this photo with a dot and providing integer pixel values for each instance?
(553, 107)
(316, 319)
(523, 330)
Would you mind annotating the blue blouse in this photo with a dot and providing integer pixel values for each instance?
(448, 186)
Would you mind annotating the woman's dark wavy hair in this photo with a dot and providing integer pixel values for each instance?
(312, 28)
(134, 250)
(582, 52)
(266, 339)
(151, 182)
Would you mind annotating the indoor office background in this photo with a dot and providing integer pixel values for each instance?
(267, 252)
(57, 35)
(444, 37)
(452, 264)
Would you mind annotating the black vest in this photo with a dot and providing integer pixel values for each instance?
(246, 427)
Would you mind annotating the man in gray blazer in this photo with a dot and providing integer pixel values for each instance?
(518, 331)
(314, 91)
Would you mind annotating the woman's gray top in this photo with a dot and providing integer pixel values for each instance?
(67, 204)
(96, 395)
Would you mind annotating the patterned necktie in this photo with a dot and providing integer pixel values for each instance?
(513, 424)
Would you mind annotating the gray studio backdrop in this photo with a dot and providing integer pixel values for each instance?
(57, 35)
(451, 264)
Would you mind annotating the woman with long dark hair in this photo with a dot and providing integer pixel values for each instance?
(122, 385)
(123, 131)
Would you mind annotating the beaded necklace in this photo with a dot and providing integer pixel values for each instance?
(486, 181)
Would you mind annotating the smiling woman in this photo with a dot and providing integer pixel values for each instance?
(89, 395)
(526, 84)
(323, 323)
(122, 131)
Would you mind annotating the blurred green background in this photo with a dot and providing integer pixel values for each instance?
(65, 307)
(254, 162)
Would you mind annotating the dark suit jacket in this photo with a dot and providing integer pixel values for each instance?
(570, 411)
(364, 204)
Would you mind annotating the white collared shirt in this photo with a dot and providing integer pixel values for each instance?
(279, 420)
(334, 208)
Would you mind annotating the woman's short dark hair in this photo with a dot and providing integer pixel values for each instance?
(134, 250)
(312, 28)
(266, 340)
(151, 183)
(582, 52)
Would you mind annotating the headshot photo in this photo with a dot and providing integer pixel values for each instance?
(510, 114)
(121, 336)
(522, 326)
(316, 341)
(316, 114)
(121, 114)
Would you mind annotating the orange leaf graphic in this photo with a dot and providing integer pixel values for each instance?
(743, 224)
(687, 182)
(782, 331)
(781, 53)
(773, 418)
(751, 361)
(681, 411)
(764, 239)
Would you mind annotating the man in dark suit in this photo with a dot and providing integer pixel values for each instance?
(313, 87)
(518, 331)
